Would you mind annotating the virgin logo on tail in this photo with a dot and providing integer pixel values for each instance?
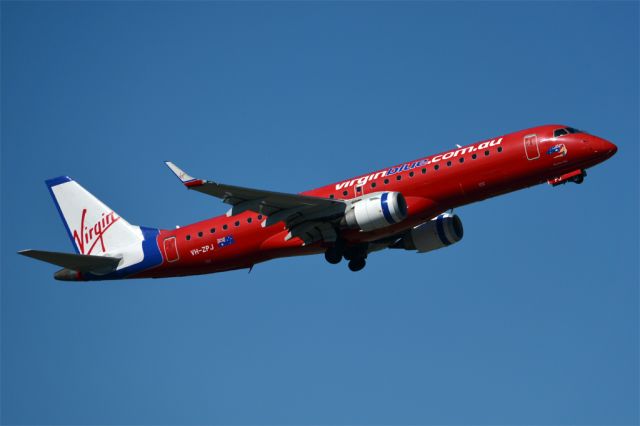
(89, 235)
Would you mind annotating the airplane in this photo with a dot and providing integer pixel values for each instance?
(408, 206)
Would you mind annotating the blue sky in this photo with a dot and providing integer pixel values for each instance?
(531, 319)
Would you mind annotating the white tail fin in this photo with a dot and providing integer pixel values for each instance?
(93, 227)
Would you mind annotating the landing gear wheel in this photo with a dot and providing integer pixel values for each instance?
(357, 264)
(333, 256)
(580, 178)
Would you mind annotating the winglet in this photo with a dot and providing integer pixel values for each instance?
(187, 180)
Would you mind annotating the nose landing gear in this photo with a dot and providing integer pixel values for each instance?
(577, 176)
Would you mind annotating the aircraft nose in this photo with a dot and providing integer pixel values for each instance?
(611, 148)
(603, 147)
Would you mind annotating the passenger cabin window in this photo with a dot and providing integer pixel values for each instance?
(200, 234)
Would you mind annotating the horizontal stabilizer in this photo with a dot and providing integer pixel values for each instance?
(76, 262)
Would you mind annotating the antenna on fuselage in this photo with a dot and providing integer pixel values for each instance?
(458, 146)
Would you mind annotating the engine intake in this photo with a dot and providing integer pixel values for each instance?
(377, 211)
(441, 231)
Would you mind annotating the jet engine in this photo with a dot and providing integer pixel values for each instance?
(375, 211)
(441, 231)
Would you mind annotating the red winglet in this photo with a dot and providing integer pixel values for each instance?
(195, 182)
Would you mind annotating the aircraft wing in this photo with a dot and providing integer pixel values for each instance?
(307, 217)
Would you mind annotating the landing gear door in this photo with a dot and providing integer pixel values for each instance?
(531, 147)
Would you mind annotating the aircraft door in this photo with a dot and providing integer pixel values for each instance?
(531, 147)
(358, 190)
(170, 249)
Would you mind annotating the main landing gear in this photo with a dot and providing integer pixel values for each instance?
(356, 265)
(356, 255)
(333, 255)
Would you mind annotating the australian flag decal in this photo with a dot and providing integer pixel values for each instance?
(560, 150)
(226, 241)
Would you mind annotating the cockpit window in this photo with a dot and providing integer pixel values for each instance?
(565, 131)
(559, 132)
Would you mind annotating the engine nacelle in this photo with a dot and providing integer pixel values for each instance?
(441, 231)
(378, 210)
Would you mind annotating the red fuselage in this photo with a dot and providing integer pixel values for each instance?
(430, 186)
